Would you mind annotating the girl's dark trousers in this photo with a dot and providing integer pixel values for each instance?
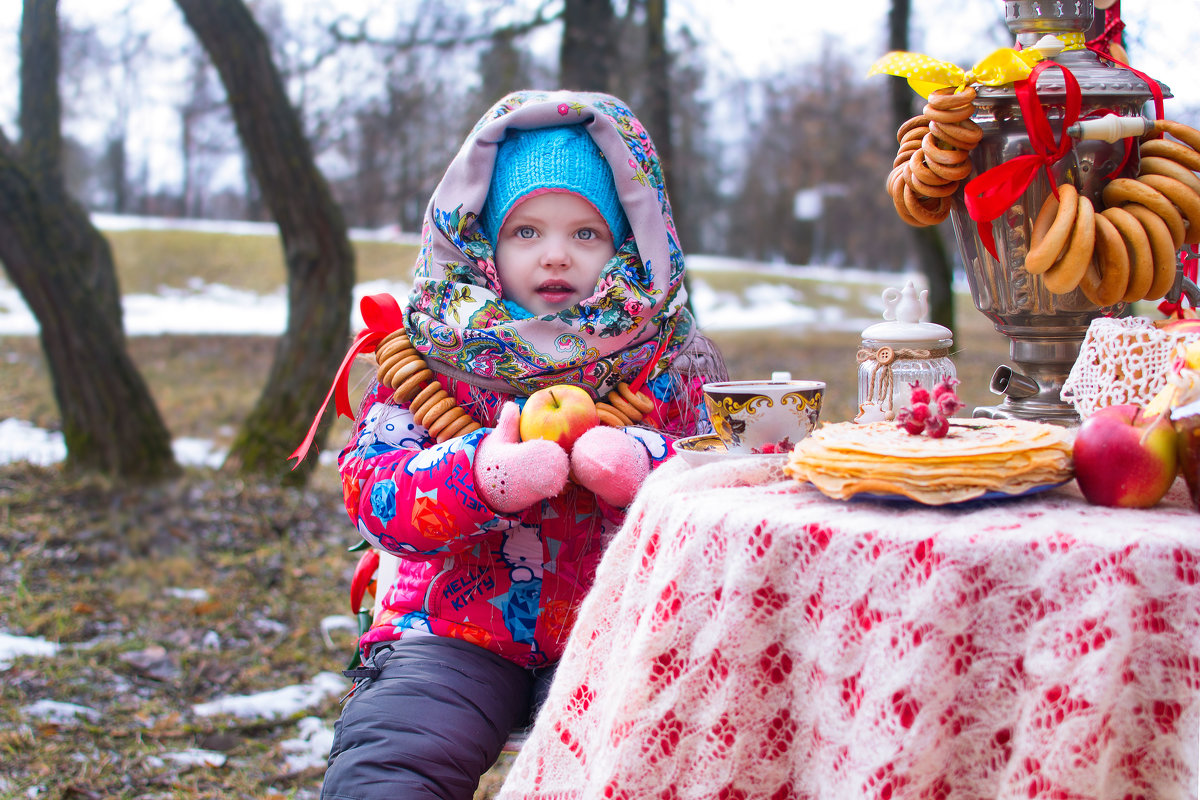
(429, 716)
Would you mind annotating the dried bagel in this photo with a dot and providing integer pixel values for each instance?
(1066, 273)
(1184, 199)
(949, 100)
(624, 406)
(1155, 165)
(934, 157)
(1137, 245)
(1122, 191)
(927, 183)
(1161, 246)
(952, 173)
(923, 210)
(963, 135)
(1051, 229)
(935, 150)
(915, 122)
(1164, 148)
(1189, 136)
(611, 417)
(1107, 275)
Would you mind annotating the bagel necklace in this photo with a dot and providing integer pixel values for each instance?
(403, 370)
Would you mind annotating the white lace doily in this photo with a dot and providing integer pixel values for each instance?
(1121, 361)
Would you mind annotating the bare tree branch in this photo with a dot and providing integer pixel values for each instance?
(543, 15)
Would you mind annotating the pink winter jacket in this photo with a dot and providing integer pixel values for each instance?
(510, 583)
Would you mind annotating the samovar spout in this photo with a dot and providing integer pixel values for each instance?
(1012, 384)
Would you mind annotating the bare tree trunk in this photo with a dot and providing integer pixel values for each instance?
(110, 422)
(588, 54)
(930, 245)
(40, 118)
(63, 268)
(657, 114)
(317, 250)
(40, 112)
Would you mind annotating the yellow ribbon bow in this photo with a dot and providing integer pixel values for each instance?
(925, 73)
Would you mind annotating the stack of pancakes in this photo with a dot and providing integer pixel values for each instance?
(977, 457)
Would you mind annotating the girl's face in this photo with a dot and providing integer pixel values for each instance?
(550, 252)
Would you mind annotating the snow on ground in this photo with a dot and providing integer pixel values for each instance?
(13, 646)
(277, 703)
(310, 747)
(22, 441)
(205, 308)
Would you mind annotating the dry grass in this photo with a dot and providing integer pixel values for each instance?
(92, 567)
(151, 259)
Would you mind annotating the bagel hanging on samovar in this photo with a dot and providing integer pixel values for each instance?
(934, 157)
(1107, 275)
(1155, 214)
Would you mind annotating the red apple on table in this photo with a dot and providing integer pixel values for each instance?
(1124, 458)
(558, 413)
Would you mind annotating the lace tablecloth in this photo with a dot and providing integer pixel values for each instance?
(748, 638)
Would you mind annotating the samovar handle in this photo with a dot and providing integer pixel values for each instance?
(1110, 128)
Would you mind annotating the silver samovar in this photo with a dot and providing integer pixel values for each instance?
(1045, 330)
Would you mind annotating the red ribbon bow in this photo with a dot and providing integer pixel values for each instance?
(989, 195)
(382, 315)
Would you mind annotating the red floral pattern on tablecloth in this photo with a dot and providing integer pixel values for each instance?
(751, 639)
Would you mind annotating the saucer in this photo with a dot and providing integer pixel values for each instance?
(985, 497)
(708, 448)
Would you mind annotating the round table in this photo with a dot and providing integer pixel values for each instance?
(748, 638)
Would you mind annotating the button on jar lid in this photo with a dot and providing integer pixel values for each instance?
(903, 309)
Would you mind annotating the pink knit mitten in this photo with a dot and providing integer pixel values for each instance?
(610, 463)
(511, 475)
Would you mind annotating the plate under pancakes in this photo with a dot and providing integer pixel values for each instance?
(977, 458)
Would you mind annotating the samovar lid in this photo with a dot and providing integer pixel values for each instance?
(1032, 20)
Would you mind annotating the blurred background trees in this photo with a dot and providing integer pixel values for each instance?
(764, 168)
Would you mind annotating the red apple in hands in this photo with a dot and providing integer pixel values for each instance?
(558, 413)
(1124, 458)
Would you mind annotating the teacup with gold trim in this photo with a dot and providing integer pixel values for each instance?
(763, 416)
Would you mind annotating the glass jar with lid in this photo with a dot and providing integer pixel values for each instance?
(899, 351)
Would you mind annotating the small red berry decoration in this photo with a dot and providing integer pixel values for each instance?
(918, 393)
(922, 417)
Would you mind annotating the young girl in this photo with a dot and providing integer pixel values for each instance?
(549, 256)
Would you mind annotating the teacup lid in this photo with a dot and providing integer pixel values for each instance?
(904, 310)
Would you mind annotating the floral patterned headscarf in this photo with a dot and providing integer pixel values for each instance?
(456, 314)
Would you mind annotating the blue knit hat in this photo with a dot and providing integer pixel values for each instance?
(563, 157)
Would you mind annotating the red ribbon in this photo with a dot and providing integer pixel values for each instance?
(989, 195)
(1113, 26)
(1151, 84)
(382, 315)
(1190, 258)
(644, 373)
